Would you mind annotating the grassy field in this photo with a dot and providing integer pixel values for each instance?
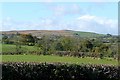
(47, 58)
(52, 59)
(12, 48)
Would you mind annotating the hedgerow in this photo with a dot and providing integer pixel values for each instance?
(57, 71)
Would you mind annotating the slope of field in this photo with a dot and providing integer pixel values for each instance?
(55, 59)
(87, 34)
(40, 33)
(12, 48)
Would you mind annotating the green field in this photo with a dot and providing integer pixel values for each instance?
(52, 59)
(12, 48)
(48, 58)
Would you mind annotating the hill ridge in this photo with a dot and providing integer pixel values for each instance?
(55, 33)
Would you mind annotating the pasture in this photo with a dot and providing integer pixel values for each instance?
(55, 59)
(12, 48)
(49, 58)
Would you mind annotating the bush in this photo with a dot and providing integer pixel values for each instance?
(57, 71)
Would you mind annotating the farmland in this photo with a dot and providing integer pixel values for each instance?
(49, 58)
(65, 55)
(45, 49)
(53, 59)
(12, 48)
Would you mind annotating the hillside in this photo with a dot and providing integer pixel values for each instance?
(40, 33)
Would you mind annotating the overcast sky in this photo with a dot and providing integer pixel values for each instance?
(99, 17)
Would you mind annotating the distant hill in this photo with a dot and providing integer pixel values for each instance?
(40, 33)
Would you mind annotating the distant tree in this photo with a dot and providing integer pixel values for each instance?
(101, 55)
(59, 46)
(109, 35)
(18, 43)
(27, 39)
(67, 43)
(5, 39)
(103, 50)
(96, 51)
(86, 44)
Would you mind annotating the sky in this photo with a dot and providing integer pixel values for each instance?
(98, 17)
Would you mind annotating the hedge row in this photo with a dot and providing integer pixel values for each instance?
(57, 71)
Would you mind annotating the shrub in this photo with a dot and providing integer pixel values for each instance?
(57, 71)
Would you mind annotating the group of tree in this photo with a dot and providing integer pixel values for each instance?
(23, 39)
(65, 45)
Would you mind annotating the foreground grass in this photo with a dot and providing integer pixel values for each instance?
(53, 58)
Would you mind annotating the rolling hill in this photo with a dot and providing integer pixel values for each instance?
(40, 33)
